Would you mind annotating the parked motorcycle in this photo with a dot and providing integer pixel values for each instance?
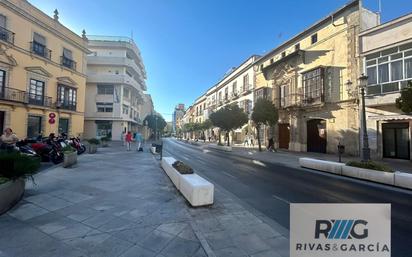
(24, 147)
(76, 144)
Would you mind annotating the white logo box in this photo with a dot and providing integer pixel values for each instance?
(350, 230)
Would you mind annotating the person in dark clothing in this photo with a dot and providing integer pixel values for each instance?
(271, 145)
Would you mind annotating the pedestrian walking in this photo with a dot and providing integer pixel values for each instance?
(128, 140)
(138, 137)
(246, 141)
(123, 138)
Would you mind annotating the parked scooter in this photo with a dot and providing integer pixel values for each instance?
(76, 144)
(49, 149)
(23, 147)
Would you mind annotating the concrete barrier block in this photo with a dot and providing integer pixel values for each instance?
(171, 172)
(403, 179)
(197, 190)
(153, 150)
(371, 175)
(220, 147)
(328, 166)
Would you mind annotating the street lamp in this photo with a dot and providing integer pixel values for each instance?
(353, 92)
(366, 153)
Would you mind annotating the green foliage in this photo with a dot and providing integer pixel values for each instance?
(404, 102)
(155, 122)
(3, 180)
(15, 165)
(207, 124)
(370, 165)
(229, 117)
(264, 113)
(106, 139)
(182, 168)
(68, 149)
(93, 141)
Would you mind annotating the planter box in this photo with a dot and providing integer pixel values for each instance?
(92, 148)
(197, 190)
(403, 180)
(153, 150)
(69, 159)
(220, 147)
(371, 175)
(173, 174)
(10, 193)
(328, 166)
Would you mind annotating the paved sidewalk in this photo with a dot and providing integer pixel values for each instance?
(118, 203)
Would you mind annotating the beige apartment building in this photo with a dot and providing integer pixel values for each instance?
(306, 77)
(42, 72)
(386, 52)
(115, 87)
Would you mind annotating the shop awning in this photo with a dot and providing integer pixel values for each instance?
(391, 117)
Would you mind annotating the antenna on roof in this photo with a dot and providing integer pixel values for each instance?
(131, 34)
(379, 11)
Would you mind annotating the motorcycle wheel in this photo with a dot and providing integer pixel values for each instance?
(56, 159)
(81, 150)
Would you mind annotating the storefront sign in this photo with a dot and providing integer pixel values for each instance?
(338, 230)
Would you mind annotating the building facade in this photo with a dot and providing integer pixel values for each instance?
(42, 72)
(115, 87)
(306, 78)
(386, 52)
(177, 118)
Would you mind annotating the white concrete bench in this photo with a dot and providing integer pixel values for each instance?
(197, 190)
(371, 175)
(328, 166)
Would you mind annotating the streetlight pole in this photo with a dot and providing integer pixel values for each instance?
(366, 154)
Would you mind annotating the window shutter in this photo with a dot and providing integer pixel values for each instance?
(2, 21)
(39, 38)
(67, 53)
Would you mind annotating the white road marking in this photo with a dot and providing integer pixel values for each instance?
(259, 163)
(186, 158)
(280, 199)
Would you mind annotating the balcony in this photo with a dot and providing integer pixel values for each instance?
(40, 50)
(68, 63)
(114, 79)
(11, 94)
(39, 100)
(66, 105)
(297, 101)
(6, 35)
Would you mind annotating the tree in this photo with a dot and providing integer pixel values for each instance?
(404, 102)
(264, 113)
(155, 123)
(228, 118)
(207, 124)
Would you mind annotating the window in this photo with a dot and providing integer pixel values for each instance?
(234, 88)
(271, 60)
(297, 47)
(283, 54)
(313, 85)
(220, 96)
(67, 59)
(226, 93)
(64, 125)
(125, 109)
(38, 46)
(389, 70)
(36, 92)
(67, 97)
(246, 82)
(34, 126)
(104, 107)
(5, 34)
(283, 95)
(104, 128)
(314, 38)
(2, 83)
(3, 21)
(105, 89)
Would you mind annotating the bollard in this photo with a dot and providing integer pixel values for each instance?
(341, 150)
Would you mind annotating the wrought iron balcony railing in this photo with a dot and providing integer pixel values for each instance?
(40, 50)
(6, 35)
(11, 94)
(40, 100)
(67, 62)
(297, 101)
(66, 105)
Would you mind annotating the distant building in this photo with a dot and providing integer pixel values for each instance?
(115, 87)
(177, 117)
(386, 52)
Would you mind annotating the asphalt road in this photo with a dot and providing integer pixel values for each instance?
(270, 187)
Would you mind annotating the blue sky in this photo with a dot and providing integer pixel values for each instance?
(187, 45)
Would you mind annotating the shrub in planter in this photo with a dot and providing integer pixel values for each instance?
(70, 156)
(15, 165)
(105, 141)
(93, 142)
(182, 168)
(220, 144)
(370, 165)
